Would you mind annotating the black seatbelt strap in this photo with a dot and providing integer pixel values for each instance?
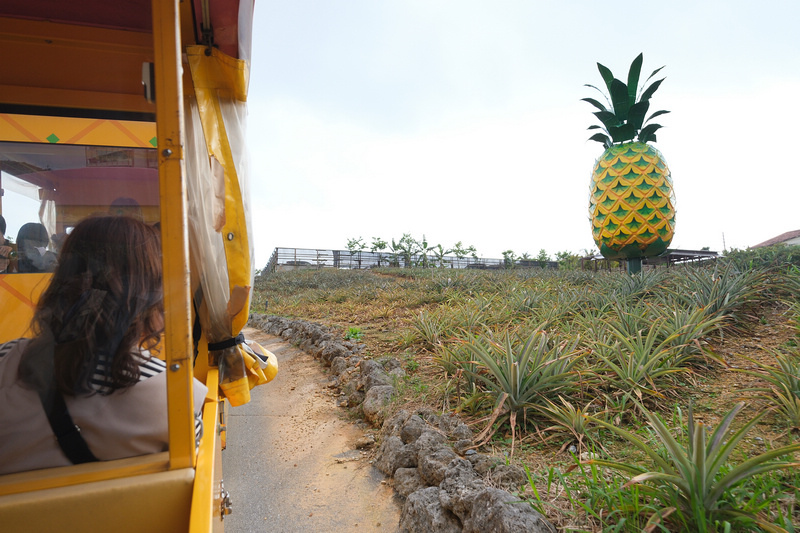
(197, 332)
(67, 432)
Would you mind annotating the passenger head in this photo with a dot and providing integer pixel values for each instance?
(34, 234)
(104, 303)
(32, 241)
(126, 207)
(2, 226)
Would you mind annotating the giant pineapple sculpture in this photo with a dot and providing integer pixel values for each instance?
(632, 201)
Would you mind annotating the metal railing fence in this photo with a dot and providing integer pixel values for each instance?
(307, 258)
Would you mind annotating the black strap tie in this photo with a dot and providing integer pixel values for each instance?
(227, 343)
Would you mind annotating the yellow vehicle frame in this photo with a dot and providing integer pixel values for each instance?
(179, 490)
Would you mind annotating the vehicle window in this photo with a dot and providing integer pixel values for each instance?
(49, 188)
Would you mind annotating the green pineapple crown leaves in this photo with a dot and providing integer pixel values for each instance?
(623, 120)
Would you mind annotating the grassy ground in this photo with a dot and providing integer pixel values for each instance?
(569, 343)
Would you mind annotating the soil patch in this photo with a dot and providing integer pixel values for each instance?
(293, 463)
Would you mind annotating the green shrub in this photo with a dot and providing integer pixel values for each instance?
(693, 476)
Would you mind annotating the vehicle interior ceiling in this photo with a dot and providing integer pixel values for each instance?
(129, 15)
(89, 58)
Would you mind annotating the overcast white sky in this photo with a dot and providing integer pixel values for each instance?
(462, 120)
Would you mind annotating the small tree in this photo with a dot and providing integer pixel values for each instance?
(567, 260)
(378, 245)
(439, 252)
(460, 252)
(509, 259)
(543, 258)
(422, 250)
(355, 247)
(404, 248)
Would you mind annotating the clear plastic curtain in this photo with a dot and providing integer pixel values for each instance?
(206, 214)
(219, 229)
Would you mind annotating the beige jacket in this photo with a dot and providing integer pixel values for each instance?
(126, 423)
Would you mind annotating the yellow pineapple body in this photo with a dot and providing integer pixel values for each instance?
(632, 202)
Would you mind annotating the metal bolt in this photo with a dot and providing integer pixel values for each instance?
(226, 506)
(230, 236)
(175, 367)
(166, 152)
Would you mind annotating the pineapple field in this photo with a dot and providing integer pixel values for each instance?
(668, 400)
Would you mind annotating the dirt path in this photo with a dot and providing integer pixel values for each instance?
(291, 463)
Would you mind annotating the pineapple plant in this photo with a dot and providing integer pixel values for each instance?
(631, 201)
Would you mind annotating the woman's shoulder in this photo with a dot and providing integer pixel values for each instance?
(150, 366)
(10, 355)
(8, 347)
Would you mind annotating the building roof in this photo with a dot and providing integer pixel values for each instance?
(674, 255)
(783, 237)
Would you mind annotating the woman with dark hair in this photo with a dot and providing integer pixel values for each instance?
(96, 327)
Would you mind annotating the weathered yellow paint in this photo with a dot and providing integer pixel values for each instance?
(70, 215)
(69, 130)
(222, 74)
(175, 249)
(19, 294)
(155, 502)
(206, 500)
(50, 478)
